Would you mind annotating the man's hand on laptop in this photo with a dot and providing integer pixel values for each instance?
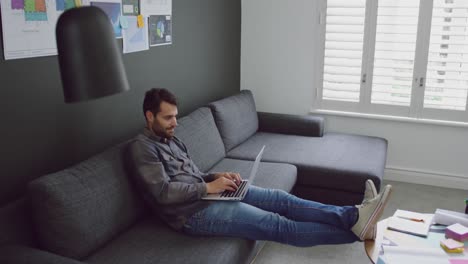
(235, 177)
(224, 181)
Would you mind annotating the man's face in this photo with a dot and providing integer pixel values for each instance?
(165, 121)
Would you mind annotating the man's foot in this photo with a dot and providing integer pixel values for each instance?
(371, 234)
(369, 213)
(370, 192)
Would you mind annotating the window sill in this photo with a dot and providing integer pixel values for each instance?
(389, 117)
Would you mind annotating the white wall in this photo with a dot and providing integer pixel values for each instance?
(277, 55)
(280, 48)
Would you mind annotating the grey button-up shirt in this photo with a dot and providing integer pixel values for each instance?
(169, 180)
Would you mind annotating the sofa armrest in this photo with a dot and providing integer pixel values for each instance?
(18, 254)
(303, 125)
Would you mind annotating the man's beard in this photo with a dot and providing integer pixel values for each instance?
(166, 133)
(170, 132)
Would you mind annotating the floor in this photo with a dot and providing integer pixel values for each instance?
(407, 196)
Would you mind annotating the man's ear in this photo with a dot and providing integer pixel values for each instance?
(149, 116)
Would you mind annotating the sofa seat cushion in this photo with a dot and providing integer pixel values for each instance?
(334, 161)
(79, 209)
(150, 242)
(236, 118)
(269, 175)
(201, 136)
(20, 254)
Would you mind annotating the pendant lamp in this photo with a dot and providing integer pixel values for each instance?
(90, 61)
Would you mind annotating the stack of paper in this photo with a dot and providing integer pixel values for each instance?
(452, 246)
(410, 223)
(401, 255)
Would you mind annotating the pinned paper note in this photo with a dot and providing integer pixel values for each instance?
(140, 21)
(123, 22)
(135, 38)
(130, 7)
(113, 12)
(160, 30)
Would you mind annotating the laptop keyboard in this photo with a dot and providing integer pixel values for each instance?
(237, 192)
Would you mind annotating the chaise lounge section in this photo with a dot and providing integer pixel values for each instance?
(332, 167)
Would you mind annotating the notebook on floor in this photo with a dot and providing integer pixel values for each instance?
(239, 194)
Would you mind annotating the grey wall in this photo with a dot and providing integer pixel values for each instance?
(41, 134)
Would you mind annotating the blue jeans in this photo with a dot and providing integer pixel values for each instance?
(275, 215)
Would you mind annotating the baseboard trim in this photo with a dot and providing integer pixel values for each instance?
(426, 178)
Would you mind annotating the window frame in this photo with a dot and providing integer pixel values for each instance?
(416, 108)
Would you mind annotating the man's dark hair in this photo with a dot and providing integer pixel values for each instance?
(154, 97)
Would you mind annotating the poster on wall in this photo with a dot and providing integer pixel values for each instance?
(156, 7)
(135, 38)
(29, 27)
(130, 7)
(160, 30)
(112, 10)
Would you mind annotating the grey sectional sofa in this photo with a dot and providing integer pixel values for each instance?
(90, 213)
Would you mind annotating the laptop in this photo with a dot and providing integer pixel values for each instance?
(241, 191)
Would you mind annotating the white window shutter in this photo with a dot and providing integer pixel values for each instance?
(447, 71)
(344, 36)
(395, 45)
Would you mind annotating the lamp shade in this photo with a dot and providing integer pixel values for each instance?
(89, 58)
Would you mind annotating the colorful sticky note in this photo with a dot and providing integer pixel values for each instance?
(140, 21)
(78, 3)
(60, 5)
(29, 5)
(17, 4)
(457, 231)
(451, 244)
(123, 22)
(40, 6)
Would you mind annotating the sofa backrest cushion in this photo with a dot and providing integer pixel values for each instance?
(201, 136)
(79, 209)
(236, 118)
